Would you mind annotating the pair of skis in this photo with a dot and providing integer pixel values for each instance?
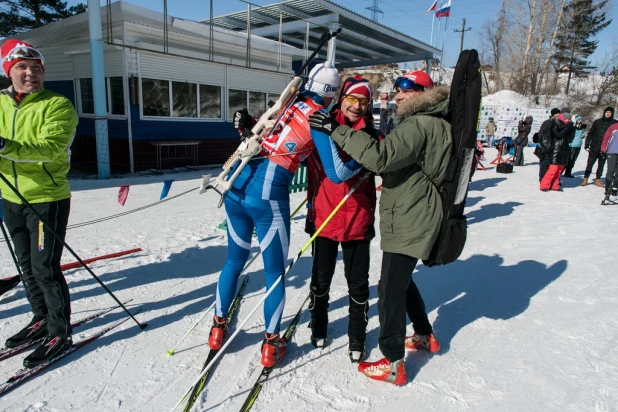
(24, 374)
(8, 352)
(199, 387)
(264, 374)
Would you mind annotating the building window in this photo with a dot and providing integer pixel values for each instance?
(254, 102)
(184, 98)
(114, 96)
(237, 100)
(156, 97)
(87, 99)
(210, 102)
(164, 98)
(257, 103)
(273, 98)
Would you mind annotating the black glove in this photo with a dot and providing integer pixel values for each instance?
(323, 122)
(242, 119)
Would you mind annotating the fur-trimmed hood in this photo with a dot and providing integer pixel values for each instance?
(428, 102)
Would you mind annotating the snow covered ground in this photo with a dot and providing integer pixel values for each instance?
(527, 318)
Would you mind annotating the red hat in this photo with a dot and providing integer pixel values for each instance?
(420, 77)
(357, 85)
(14, 51)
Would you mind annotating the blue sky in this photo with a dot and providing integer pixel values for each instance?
(406, 16)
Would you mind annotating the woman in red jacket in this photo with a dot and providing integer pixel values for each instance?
(352, 226)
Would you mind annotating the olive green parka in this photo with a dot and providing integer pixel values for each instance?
(412, 161)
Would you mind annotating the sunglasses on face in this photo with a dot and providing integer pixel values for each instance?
(23, 52)
(404, 83)
(353, 99)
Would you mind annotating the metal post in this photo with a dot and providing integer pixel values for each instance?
(332, 48)
(98, 88)
(248, 34)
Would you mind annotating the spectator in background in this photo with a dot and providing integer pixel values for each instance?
(555, 144)
(575, 144)
(490, 131)
(543, 159)
(522, 140)
(593, 146)
(609, 147)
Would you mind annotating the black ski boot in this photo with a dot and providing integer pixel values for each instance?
(356, 351)
(36, 329)
(51, 347)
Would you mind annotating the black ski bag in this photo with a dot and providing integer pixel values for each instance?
(464, 108)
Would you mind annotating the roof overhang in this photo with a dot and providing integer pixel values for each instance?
(362, 42)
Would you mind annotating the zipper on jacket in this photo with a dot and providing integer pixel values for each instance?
(13, 138)
(50, 176)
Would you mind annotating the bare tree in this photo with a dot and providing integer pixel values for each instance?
(492, 37)
(552, 42)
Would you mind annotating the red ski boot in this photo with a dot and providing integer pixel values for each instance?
(217, 332)
(427, 342)
(384, 370)
(273, 349)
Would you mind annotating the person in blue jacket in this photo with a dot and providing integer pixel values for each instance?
(575, 144)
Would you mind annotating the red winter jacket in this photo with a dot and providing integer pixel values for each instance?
(354, 221)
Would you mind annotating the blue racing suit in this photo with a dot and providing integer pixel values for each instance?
(260, 197)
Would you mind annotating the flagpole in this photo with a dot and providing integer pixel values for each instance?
(444, 37)
(433, 18)
(439, 23)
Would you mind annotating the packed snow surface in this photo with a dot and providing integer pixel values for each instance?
(527, 317)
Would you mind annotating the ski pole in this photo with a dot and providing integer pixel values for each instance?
(6, 238)
(142, 326)
(170, 352)
(270, 290)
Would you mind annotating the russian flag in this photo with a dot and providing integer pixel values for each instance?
(433, 7)
(444, 11)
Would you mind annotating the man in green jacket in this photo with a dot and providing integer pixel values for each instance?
(36, 131)
(412, 161)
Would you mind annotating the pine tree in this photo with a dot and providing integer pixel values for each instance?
(17, 16)
(575, 43)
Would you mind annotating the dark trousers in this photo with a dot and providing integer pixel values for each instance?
(398, 295)
(572, 159)
(519, 157)
(356, 269)
(543, 167)
(592, 158)
(38, 253)
(611, 178)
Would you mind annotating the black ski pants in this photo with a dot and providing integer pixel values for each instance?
(38, 253)
(592, 158)
(356, 269)
(543, 167)
(519, 157)
(611, 178)
(572, 159)
(398, 294)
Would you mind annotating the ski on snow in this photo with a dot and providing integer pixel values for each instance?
(257, 387)
(8, 352)
(23, 375)
(199, 387)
